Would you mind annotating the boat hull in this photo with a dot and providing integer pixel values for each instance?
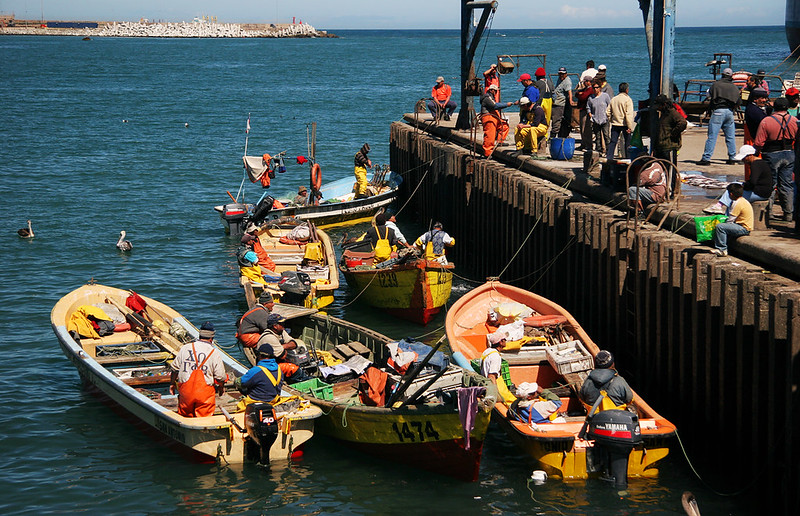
(414, 292)
(555, 446)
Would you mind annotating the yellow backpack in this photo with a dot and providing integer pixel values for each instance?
(383, 249)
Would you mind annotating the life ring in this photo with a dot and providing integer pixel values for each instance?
(316, 177)
(540, 321)
(740, 78)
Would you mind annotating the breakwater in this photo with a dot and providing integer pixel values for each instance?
(713, 344)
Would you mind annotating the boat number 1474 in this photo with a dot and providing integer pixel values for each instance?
(414, 431)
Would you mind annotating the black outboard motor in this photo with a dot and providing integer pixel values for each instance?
(298, 356)
(262, 209)
(234, 214)
(262, 428)
(615, 433)
(296, 287)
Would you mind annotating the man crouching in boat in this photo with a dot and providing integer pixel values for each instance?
(196, 370)
(606, 381)
(255, 321)
(534, 404)
(261, 383)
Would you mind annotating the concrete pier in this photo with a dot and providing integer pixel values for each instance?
(712, 343)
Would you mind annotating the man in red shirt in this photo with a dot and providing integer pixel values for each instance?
(441, 106)
(775, 140)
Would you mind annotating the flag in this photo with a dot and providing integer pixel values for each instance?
(247, 131)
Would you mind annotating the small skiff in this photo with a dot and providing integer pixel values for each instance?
(295, 256)
(556, 445)
(416, 429)
(414, 289)
(130, 370)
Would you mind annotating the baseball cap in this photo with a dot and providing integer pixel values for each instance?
(524, 100)
(601, 67)
(562, 70)
(440, 79)
(744, 150)
(791, 92)
(273, 319)
(727, 71)
(524, 77)
(540, 72)
(492, 87)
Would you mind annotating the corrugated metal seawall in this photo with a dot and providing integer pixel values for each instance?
(713, 344)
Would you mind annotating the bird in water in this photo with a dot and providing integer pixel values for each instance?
(26, 232)
(122, 244)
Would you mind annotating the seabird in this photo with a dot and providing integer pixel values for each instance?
(26, 232)
(122, 244)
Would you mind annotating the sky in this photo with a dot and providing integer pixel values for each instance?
(402, 14)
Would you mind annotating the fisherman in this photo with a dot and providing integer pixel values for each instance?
(652, 186)
(391, 223)
(534, 404)
(433, 242)
(362, 162)
(491, 362)
(441, 105)
(495, 126)
(251, 241)
(491, 76)
(382, 239)
(724, 98)
(545, 87)
(530, 91)
(301, 197)
(742, 224)
(605, 380)
(255, 321)
(261, 383)
(562, 105)
(277, 338)
(531, 127)
(198, 372)
(775, 140)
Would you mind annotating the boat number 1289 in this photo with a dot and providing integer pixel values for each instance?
(414, 431)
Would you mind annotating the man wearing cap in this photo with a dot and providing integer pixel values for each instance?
(534, 404)
(793, 96)
(531, 127)
(198, 373)
(605, 380)
(530, 91)
(441, 106)
(391, 223)
(301, 197)
(255, 321)
(277, 338)
(545, 87)
(724, 98)
(775, 140)
(495, 127)
(251, 241)
(261, 383)
(561, 116)
(361, 163)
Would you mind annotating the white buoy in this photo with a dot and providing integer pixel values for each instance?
(539, 477)
(186, 124)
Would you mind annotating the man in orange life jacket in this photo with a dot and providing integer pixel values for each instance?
(604, 378)
(254, 322)
(196, 371)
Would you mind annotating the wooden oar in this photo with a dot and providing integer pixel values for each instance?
(172, 341)
(411, 399)
(406, 383)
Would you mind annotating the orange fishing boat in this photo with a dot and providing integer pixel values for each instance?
(556, 353)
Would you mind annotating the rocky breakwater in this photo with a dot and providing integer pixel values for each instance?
(208, 30)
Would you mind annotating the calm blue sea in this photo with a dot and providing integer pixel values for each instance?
(93, 141)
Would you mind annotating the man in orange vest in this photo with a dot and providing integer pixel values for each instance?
(255, 321)
(198, 373)
(441, 106)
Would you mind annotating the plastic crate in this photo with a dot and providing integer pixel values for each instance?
(569, 357)
(504, 372)
(316, 388)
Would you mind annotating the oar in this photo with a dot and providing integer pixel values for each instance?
(406, 383)
(229, 417)
(175, 343)
(411, 399)
(232, 197)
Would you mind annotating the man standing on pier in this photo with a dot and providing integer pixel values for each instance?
(495, 127)
(562, 105)
(724, 98)
(775, 140)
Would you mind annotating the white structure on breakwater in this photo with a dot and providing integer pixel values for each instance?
(203, 30)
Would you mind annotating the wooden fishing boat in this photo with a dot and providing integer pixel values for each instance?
(417, 429)
(337, 206)
(292, 255)
(411, 288)
(130, 371)
(556, 445)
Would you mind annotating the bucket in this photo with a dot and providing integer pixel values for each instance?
(562, 148)
(353, 262)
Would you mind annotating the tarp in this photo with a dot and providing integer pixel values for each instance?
(255, 166)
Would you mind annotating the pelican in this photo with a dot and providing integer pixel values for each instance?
(122, 244)
(26, 232)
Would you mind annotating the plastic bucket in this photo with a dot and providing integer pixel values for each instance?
(353, 262)
(562, 148)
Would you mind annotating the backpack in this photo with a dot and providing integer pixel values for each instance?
(383, 249)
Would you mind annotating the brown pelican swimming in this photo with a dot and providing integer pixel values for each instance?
(122, 244)
(26, 232)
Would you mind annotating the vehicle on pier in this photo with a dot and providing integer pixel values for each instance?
(557, 354)
(130, 370)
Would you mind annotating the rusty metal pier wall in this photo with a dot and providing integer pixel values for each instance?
(711, 343)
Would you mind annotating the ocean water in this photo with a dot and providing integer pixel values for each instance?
(94, 141)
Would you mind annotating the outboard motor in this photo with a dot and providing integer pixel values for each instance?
(262, 427)
(296, 287)
(615, 433)
(298, 356)
(262, 209)
(234, 214)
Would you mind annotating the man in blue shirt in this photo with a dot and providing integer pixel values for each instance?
(531, 91)
(261, 383)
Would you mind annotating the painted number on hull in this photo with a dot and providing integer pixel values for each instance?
(387, 279)
(414, 431)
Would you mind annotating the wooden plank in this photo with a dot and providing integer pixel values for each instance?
(359, 348)
(345, 351)
(135, 359)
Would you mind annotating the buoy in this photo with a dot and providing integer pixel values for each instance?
(539, 477)
(186, 124)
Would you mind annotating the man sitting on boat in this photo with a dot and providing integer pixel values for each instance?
(277, 337)
(433, 242)
(251, 241)
(534, 404)
(196, 371)
(301, 197)
(255, 321)
(604, 380)
(261, 383)
(381, 238)
(361, 162)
